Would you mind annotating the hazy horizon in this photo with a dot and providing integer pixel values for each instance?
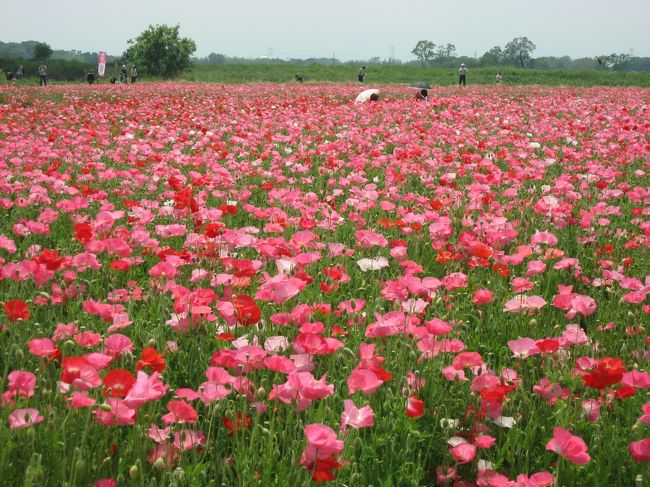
(360, 30)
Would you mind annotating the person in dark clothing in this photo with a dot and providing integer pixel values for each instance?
(134, 74)
(90, 78)
(299, 79)
(42, 74)
(422, 95)
(124, 75)
(361, 75)
(113, 80)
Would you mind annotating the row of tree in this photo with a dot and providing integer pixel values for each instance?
(518, 52)
(161, 51)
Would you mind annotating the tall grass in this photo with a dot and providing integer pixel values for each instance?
(382, 75)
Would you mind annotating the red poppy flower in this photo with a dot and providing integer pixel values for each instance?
(118, 382)
(83, 232)
(248, 312)
(608, 372)
(50, 259)
(151, 359)
(240, 422)
(16, 309)
(213, 230)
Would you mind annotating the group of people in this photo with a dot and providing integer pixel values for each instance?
(90, 77)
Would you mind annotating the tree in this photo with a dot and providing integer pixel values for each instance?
(445, 53)
(617, 62)
(518, 51)
(424, 51)
(160, 51)
(493, 57)
(42, 51)
(214, 58)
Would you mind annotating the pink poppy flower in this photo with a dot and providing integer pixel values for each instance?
(463, 453)
(640, 450)
(568, 446)
(363, 380)
(355, 417)
(22, 418)
(146, 389)
(482, 297)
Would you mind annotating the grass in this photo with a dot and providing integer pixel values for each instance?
(387, 75)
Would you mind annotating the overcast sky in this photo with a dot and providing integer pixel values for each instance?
(352, 29)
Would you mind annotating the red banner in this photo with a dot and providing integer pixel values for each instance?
(101, 67)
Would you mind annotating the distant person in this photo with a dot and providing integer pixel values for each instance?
(299, 79)
(113, 80)
(90, 78)
(361, 75)
(499, 78)
(42, 74)
(10, 76)
(462, 75)
(374, 97)
(422, 95)
(123, 75)
(19, 72)
(134, 74)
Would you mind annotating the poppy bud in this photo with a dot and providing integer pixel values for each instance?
(105, 407)
(533, 322)
(638, 481)
(159, 464)
(79, 467)
(261, 392)
(19, 354)
(133, 472)
(179, 473)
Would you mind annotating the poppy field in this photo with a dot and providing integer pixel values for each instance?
(270, 285)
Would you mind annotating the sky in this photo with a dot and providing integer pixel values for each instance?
(346, 29)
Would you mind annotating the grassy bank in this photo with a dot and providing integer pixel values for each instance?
(376, 75)
(232, 73)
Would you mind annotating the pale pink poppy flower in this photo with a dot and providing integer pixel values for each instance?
(356, 417)
(23, 418)
(568, 446)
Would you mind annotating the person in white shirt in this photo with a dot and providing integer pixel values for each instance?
(499, 78)
(462, 75)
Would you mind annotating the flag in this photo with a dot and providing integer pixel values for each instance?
(101, 67)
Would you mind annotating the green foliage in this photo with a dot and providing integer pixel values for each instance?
(617, 62)
(160, 51)
(42, 51)
(493, 57)
(518, 51)
(404, 74)
(424, 51)
(57, 69)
